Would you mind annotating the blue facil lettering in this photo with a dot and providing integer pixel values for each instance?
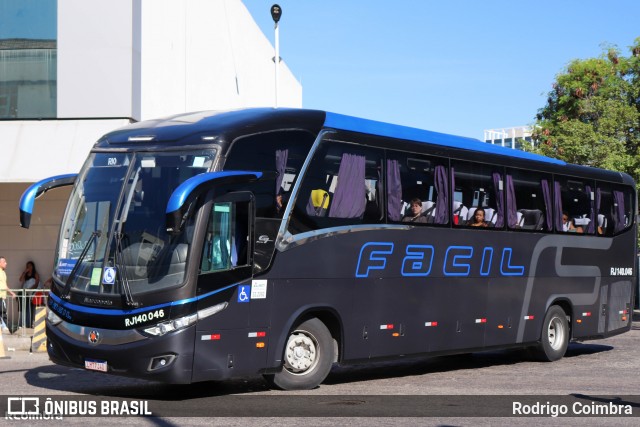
(374, 258)
(505, 266)
(418, 261)
(452, 262)
(485, 266)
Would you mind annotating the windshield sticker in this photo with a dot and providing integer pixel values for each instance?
(95, 277)
(65, 266)
(244, 292)
(109, 277)
(258, 289)
(198, 162)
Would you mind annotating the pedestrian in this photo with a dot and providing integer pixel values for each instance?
(29, 280)
(4, 289)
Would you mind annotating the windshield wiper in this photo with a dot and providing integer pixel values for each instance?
(74, 270)
(118, 258)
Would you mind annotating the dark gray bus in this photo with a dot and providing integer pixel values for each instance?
(207, 246)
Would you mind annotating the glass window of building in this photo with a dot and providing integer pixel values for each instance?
(28, 59)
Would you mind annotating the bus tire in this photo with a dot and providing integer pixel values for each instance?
(555, 335)
(308, 356)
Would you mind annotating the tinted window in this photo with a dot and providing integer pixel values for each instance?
(342, 186)
(528, 200)
(281, 152)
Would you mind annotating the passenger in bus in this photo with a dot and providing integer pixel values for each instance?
(478, 219)
(415, 212)
(567, 226)
(280, 204)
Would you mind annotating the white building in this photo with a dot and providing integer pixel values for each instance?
(111, 63)
(509, 137)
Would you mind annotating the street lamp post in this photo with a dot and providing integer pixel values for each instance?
(276, 13)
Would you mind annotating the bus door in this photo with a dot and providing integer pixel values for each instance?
(230, 310)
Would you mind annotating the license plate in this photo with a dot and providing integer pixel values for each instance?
(96, 365)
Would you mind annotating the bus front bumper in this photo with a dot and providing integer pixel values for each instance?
(167, 358)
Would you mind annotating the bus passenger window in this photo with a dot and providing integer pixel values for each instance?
(614, 208)
(478, 188)
(575, 206)
(528, 200)
(341, 187)
(414, 179)
(282, 152)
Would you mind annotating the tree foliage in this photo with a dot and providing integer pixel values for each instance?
(592, 114)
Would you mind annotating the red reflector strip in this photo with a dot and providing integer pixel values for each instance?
(386, 326)
(586, 314)
(528, 317)
(481, 320)
(213, 337)
(430, 323)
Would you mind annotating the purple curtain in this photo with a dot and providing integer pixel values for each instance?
(442, 201)
(512, 209)
(281, 164)
(557, 205)
(394, 191)
(618, 217)
(592, 216)
(350, 197)
(546, 194)
(499, 197)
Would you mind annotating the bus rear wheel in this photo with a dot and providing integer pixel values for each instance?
(308, 356)
(555, 335)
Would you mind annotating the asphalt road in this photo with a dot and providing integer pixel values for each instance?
(477, 389)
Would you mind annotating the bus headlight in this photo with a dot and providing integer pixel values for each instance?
(171, 325)
(53, 318)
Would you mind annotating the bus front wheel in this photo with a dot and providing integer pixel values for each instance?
(555, 335)
(308, 356)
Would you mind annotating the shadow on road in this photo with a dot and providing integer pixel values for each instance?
(62, 380)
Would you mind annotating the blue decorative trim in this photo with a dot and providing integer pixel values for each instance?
(116, 312)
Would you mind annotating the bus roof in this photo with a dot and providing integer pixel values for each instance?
(190, 128)
(354, 124)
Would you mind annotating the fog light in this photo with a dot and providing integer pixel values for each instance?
(161, 361)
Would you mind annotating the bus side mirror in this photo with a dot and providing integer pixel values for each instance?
(29, 196)
(182, 197)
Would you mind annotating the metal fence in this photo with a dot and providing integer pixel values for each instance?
(26, 302)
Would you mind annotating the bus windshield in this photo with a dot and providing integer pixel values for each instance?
(114, 226)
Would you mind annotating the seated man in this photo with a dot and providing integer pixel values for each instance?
(415, 214)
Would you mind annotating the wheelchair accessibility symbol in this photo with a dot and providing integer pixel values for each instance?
(244, 292)
(109, 276)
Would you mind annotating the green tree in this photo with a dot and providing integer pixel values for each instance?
(592, 115)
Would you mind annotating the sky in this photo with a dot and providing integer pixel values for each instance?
(457, 67)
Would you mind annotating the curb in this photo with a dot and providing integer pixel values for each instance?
(14, 343)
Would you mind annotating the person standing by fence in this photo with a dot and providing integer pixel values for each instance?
(29, 280)
(4, 289)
